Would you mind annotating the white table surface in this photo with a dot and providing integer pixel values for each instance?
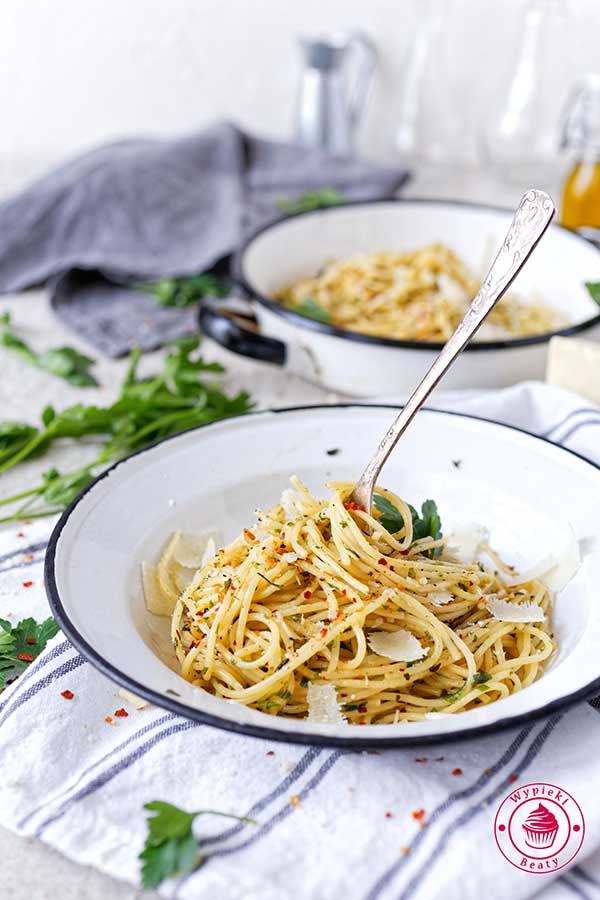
(30, 870)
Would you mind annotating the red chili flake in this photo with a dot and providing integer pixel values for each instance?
(28, 557)
(31, 640)
(418, 813)
(392, 569)
(27, 583)
(362, 709)
(404, 850)
(512, 778)
(25, 657)
(487, 771)
(121, 713)
(382, 561)
(307, 595)
(68, 695)
(249, 535)
(353, 505)
(270, 753)
(344, 592)
(457, 771)
(323, 632)
(388, 815)
(20, 534)
(421, 759)
(109, 720)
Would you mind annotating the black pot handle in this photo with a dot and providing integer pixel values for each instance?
(225, 324)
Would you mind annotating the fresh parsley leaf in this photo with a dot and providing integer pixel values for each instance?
(593, 288)
(319, 199)
(64, 362)
(29, 638)
(481, 677)
(68, 363)
(391, 517)
(312, 310)
(333, 452)
(171, 847)
(428, 524)
(182, 292)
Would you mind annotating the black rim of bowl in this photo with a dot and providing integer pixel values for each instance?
(264, 732)
(313, 325)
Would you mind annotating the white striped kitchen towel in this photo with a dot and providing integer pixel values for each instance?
(413, 823)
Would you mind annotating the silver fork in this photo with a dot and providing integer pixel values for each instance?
(533, 215)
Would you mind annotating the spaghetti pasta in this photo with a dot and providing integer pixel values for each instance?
(421, 296)
(322, 593)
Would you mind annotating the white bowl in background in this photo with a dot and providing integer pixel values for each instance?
(363, 365)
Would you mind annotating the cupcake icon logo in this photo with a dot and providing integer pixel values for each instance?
(539, 828)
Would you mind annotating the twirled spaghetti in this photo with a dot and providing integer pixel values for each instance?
(421, 296)
(317, 592)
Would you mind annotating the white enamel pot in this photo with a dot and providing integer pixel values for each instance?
(365, 366)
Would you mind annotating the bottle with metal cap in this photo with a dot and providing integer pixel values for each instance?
(581, 140)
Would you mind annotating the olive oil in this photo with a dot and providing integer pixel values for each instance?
(581, 196)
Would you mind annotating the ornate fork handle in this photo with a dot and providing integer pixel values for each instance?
(533, 215)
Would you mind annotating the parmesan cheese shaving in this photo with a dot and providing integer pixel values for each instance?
(505, 611)
(192, 546)
(556, 569)
(323, 705)
(133, 699)
(156, 601)
(464, 542)
(439, 598)
(401, 645)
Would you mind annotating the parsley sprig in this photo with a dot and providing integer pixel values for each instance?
(21, 644)
(171, 847)
(319, 199)
(184, 291)
(64, 362)
(147, 409)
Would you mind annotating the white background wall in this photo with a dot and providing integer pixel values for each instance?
(77, 72)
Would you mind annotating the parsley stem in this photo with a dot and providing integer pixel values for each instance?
(26, 450)
(40, 515)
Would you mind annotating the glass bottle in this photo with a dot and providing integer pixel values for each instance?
(520, 140)
(581, 139)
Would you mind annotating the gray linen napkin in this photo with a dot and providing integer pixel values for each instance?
(140, 210)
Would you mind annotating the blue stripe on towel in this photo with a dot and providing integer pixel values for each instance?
(21, 697)
(103, 778)
(427, 866)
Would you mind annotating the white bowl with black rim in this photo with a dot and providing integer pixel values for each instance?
(362, 365)
(527, 491)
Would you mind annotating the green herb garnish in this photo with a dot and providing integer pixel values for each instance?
(21, 644)
(319, 199)
(171, 847)
(450, 698)
(428, 524)
(148, 409)
(481, 677)
(182, 292)
(311, 310)
(593, 288)
(64, 362)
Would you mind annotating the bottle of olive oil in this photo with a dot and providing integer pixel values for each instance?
(581, 139)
